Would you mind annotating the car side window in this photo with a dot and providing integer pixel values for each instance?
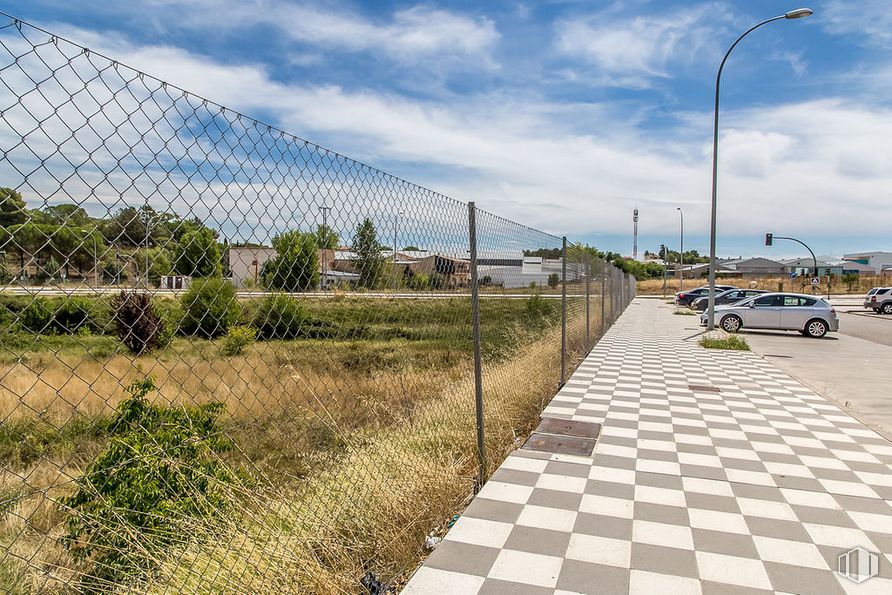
(808, 301)
(790, 300)
(764, 302)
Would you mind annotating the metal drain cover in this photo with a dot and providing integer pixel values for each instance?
(566, 427)
(702, 388)
(568, 445)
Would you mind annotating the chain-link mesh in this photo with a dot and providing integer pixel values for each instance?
(234, 361)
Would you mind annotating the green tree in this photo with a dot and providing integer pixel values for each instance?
(137, 227)
(67, 214)
(554, 280)
(198, 254)
(369, 262)
(12, 208)
(326, 238)
(296, 264)
(159, 263)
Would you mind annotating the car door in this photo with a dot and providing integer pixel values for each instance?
(764, 313)
(796, 312)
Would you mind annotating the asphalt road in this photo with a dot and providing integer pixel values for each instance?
(864, 324)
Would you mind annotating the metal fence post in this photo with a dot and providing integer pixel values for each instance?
(563, 309)
(588, 271)
(603, 295)
(478, 363)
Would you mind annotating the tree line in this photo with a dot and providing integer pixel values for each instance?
(150, 244)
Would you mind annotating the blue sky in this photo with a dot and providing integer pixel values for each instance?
(562, 115)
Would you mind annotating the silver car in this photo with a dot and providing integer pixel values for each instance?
(810, 315)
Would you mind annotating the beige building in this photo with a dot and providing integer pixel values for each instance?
(455, 272)
(246, 265)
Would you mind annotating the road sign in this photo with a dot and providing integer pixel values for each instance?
(815, 281)
(792, 274)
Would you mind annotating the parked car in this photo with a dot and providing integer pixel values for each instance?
(879, 299)
(684, 298)
(726, 297)
(810, 315)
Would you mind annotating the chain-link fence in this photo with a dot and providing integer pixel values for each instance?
(234, 361)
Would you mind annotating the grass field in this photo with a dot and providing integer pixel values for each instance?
(358, 446)
(798, 285)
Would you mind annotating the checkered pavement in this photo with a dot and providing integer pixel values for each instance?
(756, 488)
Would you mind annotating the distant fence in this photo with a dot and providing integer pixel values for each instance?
(234, 361)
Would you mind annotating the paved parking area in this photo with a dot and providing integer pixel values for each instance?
(852, 371)
(715, 472)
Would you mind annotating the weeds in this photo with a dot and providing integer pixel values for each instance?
(734, 343)
(684, 313)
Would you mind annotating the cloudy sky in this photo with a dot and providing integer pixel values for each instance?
(563, 115)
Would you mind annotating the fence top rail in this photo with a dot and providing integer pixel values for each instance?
(19, 24)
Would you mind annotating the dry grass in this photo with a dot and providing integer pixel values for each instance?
(380, 500)
(360, 449)
(800, 284)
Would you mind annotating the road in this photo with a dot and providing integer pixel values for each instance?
(866, 325)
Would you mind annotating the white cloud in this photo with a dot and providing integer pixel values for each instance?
(418, 34)
(820, 167)
(631, 52)
(869, 20)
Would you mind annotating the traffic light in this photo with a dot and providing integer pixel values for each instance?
(768, 238)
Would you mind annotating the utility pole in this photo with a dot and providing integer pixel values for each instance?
(324, 238)
(635, 235)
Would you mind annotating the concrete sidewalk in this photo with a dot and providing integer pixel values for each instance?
(714, 472)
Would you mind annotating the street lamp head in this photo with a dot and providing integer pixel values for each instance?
(799, 13)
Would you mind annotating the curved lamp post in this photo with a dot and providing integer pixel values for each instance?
(681, 252)
(793, 14)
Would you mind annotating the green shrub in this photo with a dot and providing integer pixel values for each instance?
(538, 308)
(37, 316)
(161, 467)
(554, 280)
(237, 339)
(209, 308)
(419, 282)
(74, 315)
(138, 324)
(282, 317)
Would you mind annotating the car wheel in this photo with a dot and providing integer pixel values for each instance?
(731, 324)
(887, 308)
(816, 328)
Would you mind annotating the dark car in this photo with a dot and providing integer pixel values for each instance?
(684, 298)
(726, 297)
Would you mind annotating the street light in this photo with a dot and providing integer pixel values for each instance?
(793, 14)
(324, 238)
(681, 253)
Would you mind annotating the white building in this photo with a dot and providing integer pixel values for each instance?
(877, 260)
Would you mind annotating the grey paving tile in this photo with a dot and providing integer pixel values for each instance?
(538, 541)
(465, 558)
(610, 488)
(804, 581)
(514, 476)
(555, 499)
(720, 542)
(664, 560)
(492, 510)
(603, 526)
(659, 513)
(584, 577)
(791, 530)
(493, 586)
(711, 502)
